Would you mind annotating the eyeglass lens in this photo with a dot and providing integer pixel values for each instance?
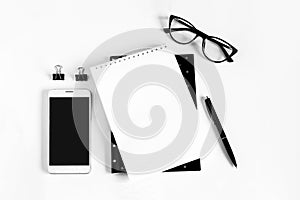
(180, 32)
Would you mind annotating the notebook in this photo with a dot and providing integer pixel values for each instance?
(129, 152)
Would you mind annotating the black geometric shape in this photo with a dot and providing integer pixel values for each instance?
(186, 65)
(190, 166)
(117, 164)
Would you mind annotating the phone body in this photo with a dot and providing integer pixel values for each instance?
(68, 135)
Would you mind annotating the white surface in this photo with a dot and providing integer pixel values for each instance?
(262, 92)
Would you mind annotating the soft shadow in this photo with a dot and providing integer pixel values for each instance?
(44, 119)
(121, 176)
(198, 48)
(101, 132)
(163, 20)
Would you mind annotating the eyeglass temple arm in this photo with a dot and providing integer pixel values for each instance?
(191, 29)
(196, 31)
(228, 57)
(168, 30)
(222, 44)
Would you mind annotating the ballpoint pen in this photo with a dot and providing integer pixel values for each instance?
(213, 115)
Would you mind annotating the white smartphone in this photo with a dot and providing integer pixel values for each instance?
(68, 136)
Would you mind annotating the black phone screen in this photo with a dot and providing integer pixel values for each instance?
(69, 131)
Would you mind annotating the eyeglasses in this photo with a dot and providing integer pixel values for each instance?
(213, 48)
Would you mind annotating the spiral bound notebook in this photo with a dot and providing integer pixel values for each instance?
(134, 142)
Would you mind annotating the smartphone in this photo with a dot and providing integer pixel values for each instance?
(68, 138)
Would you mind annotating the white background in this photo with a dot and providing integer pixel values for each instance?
(261, 87)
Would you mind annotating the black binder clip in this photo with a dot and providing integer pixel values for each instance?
(81, 76)
(58, 75)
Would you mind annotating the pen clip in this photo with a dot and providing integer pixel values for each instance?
(205, 107)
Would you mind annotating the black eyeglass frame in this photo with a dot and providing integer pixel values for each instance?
(223, 44)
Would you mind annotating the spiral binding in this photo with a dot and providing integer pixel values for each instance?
(107, 64)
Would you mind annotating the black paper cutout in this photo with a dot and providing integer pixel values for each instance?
(186, 65)
(116, 158)
(190, 166)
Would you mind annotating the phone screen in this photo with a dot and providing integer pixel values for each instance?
(69, 131)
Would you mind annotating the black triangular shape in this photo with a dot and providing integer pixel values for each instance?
(117, 164)
(190, 166)
(186, 65)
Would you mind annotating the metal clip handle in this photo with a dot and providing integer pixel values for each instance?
(58, 69)
(81, 70)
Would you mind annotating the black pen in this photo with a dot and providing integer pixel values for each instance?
(213, 115)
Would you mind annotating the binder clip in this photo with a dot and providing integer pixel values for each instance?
(58, 75)
(81, 76)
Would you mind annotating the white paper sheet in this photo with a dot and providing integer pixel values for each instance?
(139, 77)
